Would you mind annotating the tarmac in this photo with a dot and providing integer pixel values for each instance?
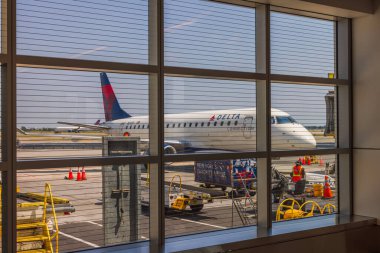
(84, 228)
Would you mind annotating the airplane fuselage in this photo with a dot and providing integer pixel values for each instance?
(223, 130)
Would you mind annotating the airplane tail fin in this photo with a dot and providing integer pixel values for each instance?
(112, 109)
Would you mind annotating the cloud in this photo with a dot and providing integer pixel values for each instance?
(179, 26)
(88, 52)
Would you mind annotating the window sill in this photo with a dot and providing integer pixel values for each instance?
(247, 237)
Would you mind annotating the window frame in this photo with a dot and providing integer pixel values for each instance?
(157, 70)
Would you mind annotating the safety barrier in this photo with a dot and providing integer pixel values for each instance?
(290, 209)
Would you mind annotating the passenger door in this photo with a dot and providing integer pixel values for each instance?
(248, 127)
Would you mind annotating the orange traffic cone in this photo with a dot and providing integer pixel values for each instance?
(79, 175)
(71, 176)
(84, 177)
(303, 161)
(327, 190)
(308, 160)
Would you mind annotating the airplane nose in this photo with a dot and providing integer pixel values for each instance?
(306, 140)
(310, 141)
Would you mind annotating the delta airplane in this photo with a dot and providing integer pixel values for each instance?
(229, 130)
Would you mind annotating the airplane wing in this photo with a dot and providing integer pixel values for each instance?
(89, 126)
(64, 136)
(184, 146)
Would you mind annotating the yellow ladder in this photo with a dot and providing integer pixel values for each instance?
(44, 237)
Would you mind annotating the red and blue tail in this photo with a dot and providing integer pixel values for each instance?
(112, 109)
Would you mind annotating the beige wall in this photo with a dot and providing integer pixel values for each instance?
(366, 100)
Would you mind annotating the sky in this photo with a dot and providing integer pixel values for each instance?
(198, 33)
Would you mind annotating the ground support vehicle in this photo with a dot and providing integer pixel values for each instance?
(227, 173)
(37, 220)
(177, 198)
(232, 173)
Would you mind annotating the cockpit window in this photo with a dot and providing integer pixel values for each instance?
(285, 120)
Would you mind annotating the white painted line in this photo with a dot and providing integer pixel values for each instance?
(201, 223)
(94, 223)
(80, 240)
(100, 225)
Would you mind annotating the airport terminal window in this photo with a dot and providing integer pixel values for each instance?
(302, 46)
(84, 30)
(235, 177)
(196, 35)
(308, 122)
(86, 209)
(84, 80)
(311, 191)
(65, 113)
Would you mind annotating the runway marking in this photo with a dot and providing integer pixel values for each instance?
(201, 223)
(100, 225)
(94, 223)
(80, 240)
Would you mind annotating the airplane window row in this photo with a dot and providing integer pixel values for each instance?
(173, 125)
(137, 126)
(202, 124)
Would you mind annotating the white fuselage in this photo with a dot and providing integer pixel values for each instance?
(223, 129)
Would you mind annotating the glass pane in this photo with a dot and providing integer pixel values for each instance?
(302, 46)
(304, 187)
(303, 117)
(63, 113)
(92, 30)
(209, 115)
(208, 34)
(210, 195)
(107, 208)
